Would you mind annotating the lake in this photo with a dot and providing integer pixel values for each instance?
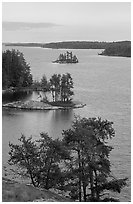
(102, 83)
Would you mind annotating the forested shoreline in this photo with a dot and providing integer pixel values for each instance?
(17, 79)
(119, 48)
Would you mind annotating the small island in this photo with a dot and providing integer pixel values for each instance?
(66, 58)
(40, 105)
(53, 94)
(60, 87)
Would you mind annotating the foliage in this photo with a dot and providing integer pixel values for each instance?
(52, 154)
(118, 49)
(36, 85)
(39, 159)
(61, 87)
(44, 83)
(76, 45)
(55, 86)
(66, 87)
(114, 185)
(90, 164)
(26, 157)
(79, 163)
(15, 71)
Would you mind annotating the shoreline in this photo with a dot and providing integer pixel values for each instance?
(65, 48)
(37, 105)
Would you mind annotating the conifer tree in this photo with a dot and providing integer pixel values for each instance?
(90, 164)
(15, 70)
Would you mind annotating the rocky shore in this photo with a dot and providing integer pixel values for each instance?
(13, 191)
(38, 105)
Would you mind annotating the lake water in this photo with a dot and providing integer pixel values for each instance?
(103, 83)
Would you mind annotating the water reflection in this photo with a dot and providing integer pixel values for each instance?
(62, 115)
(10, 97)
(8, 112)
(60, 120)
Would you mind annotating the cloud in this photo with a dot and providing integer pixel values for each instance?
(12, 26)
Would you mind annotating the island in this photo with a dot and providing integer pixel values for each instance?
(40, 105)
(17, 81)
(66, 58)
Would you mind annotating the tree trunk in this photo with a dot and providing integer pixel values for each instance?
(48, 173)
(80, 195)
(92, 185)
(84, 192)
(97, 192)
(53, 95)
(30, 172)
(84, 182)
(32, 179)
(47, 179)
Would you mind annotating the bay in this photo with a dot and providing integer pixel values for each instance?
(102, 83)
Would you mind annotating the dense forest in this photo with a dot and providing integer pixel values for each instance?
(15, 70)
(77, 45)
(120, 48)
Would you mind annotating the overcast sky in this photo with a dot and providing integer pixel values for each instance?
(45, 22)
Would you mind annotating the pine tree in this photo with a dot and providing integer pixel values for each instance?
(15, 70)
(55, 86)
(87, 140)
(66, 87)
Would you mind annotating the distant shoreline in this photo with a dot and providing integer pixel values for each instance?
(105, 55)
(119, 48)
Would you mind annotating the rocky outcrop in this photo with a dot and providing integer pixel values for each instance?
(37, 105)
(13, 191)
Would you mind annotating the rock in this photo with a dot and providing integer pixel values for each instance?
(13, 191)
(36, 105)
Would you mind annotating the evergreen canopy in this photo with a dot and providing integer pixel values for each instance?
(15, 70)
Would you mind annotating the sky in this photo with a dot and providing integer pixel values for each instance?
(62, 21)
